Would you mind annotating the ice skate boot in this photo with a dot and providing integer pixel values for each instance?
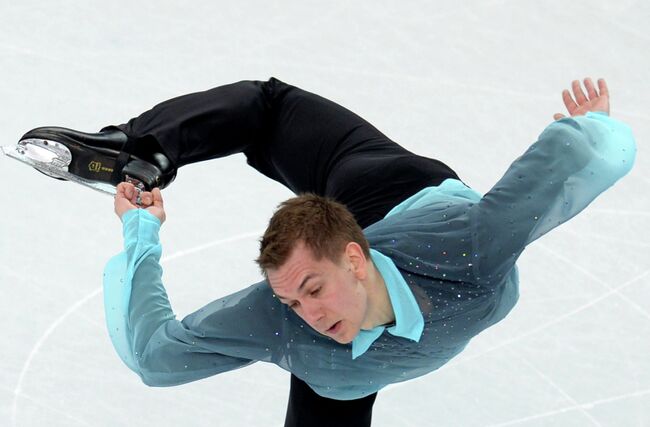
(97, 160)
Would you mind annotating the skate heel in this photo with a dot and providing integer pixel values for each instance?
(143, 173)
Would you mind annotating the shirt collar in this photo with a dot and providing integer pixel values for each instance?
(409, 322)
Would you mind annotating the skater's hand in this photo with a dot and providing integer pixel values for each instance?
(126, 199)
(593, 101)
(153, 203)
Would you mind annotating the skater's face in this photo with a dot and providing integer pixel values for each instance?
(328, 295)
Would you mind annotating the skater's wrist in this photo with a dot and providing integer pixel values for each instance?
(138, 212)
(140, 227)
(127, 215)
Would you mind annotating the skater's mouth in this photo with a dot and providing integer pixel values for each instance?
(335, 328)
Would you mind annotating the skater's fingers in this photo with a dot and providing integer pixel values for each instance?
(125, 189)
(135, 195)
(558, 116)
(577, 91)
(157, 197)
(602, 87)
(146, 198)
(591, 90)
(120, 190)
(568, 101)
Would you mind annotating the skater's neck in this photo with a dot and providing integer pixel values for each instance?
(380, 309)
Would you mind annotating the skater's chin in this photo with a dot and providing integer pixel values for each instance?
(341, 333)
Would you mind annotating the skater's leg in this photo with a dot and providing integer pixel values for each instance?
(205, 125)
(290, 135)
(306, 408)
(304, 141)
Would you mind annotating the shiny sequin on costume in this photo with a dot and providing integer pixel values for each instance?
(455, 250)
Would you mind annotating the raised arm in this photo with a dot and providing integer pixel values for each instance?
(574, 160)
(222, 336)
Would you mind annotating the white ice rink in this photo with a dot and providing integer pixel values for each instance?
(472, 83)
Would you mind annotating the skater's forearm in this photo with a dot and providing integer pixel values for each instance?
(149, 305)
(132, 317)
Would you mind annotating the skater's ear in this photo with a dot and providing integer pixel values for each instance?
(356, 260)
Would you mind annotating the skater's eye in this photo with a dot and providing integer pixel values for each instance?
(315, 292)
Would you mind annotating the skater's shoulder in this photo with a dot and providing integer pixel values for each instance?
(449, 191)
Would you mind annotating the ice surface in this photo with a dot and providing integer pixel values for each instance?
(472, 83)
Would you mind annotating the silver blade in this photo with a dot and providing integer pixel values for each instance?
(51, 169)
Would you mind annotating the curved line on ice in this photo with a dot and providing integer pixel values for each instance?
(74, 307)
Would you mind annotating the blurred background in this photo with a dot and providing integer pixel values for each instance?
(472, 83)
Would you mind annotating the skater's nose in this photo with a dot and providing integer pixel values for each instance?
(312, 311)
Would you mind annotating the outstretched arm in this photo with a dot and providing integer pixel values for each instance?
(574, 160)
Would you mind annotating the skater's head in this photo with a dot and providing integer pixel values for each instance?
(322, 224)
(317, 261)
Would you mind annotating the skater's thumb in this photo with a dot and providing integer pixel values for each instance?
(128, 190)
(157, 197)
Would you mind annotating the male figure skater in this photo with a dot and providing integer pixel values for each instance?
(381, 273)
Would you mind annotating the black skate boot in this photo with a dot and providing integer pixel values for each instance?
(107, 157)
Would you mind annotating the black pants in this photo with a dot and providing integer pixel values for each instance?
(309, 144)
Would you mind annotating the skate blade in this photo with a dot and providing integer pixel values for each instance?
(52, 159)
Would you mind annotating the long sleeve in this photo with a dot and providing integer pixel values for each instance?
(143, 327)
(573, 161)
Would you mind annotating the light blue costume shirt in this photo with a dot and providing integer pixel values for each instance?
(447, 255)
